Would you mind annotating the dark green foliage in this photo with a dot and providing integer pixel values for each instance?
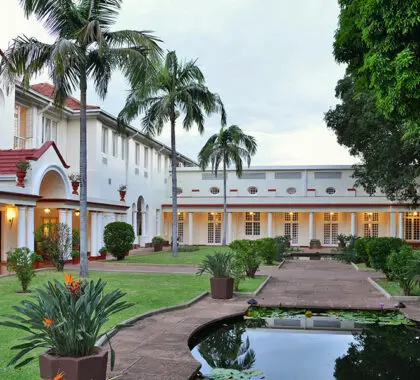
(379, 249)
(282, 246)
(267, 248)
(360, 249)
(20, 261)
(158, 240)
(246, 252)
(65, 317)
(75, 239)
(217, 265)
(403, 266)
(118, 239)
(75, 254)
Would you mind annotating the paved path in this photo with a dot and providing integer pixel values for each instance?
(157, 347)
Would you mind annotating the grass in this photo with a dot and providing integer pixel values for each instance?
(147, 290)
(362, 265)
(394, 289)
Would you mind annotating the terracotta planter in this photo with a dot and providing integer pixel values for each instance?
(21, 178)
(221, 288)
(157, 247)
(91, 367)
(103, 256)
(122, 195)
(75, 260)
(36, 264)
(75, 186)
(127, 253)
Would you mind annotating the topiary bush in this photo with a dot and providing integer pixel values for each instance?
(403, 267)
(21, 260)
(118, 239)
(360, 249)
(267, 248)
(379, 250)
(246, 253)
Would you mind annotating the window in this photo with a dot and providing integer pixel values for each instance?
(146, 158)
(159, 163)
(104, 140)
(49, 130)
(291, 190)
(370, 224)
(124, 148)
(137, 154)
(114, 144)
(412, 226)
(179, 190)
(214, 227)
(22, 127)
(214, 190)
(291, 226)
(46, 223)
(252, 190)
(180, 227)
(252, 224)
(330, 228)
(330, 190)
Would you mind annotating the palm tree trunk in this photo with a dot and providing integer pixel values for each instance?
(83, 179)
(174, 192)
(224, 203)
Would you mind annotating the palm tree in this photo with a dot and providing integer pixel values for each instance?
(175, 88)
(229, 146)
(85, 48)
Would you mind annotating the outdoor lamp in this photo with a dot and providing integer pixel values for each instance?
(47, 211)
(10, 215)
(77, 213)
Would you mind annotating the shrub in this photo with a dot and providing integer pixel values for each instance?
(282, 246)
(360, 249)
(403, 267)
(67, 318)
(55, 242)
(238, 274)
(267, 249)
(75, 254)
(118, 238)
(379, 249)
(75, 236)
(217, 265)
(21, 260)
(245, 251)
(23, 165)
(103, 250)
(158, 240)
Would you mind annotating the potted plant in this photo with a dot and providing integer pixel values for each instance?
(22, 167)
(342, 239)
(21, 261)
(75, 257)
(118, 239)
(218, 266)
(122, 190)
(315, 244)
(103, 251)
(75, 181)
(57, 319)
(158, 243)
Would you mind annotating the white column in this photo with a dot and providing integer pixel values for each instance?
(270, 224)
(158, 222)
(30, 224)
(143, 224)
(311, 226)
(93, 234)
(21, 233)
(190, 228)
(100, 230)
(229, 228)
(62, 216)
(353, 224)
(401, 225)
(392, 224)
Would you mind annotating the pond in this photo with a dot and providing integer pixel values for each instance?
(317, 348)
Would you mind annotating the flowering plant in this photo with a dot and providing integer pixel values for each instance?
(67, 318)
(74, 177)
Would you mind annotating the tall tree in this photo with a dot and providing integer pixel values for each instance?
(175, 88)
(229, 146)
(85, 48)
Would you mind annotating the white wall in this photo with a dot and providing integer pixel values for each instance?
(7, 105)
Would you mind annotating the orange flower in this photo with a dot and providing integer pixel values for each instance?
(69, 279)
(48, 322)
(59, 376)
(75, 286)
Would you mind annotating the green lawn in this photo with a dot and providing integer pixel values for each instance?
(394, 289)
(147, 290)
(194, 258)
(362, 265)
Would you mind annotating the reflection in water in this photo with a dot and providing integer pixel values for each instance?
(377, 353)
(382, 352)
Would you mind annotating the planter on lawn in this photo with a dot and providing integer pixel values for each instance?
(75, 260)
(157, 247)
(91, 367)
(221, 288)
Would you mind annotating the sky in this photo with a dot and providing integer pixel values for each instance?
(270, 61)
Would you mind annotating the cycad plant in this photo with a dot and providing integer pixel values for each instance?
(228, 147)
(217, 265)
(175, 88)
(85, 48)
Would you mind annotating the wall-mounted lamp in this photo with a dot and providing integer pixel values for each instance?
(415, 213)
(291, 213)
(47, 211)
(251, 213)
(331, 213)
(10, 215)
(178, 213)
(77, 213)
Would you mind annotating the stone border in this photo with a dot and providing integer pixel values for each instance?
(362, 269)
(391, 297)
(256, 292)
(113, 331)
(281, 264)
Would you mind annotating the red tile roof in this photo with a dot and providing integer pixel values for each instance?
(9, 158)
(48, 90)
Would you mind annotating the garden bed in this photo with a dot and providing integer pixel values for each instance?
(392, 290)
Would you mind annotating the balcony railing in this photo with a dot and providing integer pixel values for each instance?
(21, 143)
